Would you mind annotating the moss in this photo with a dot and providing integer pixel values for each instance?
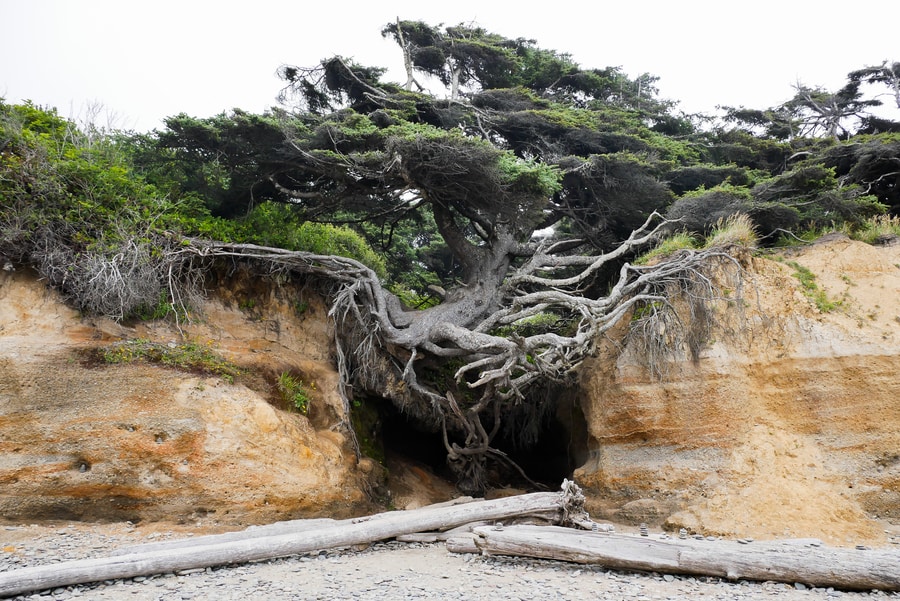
(366, 421)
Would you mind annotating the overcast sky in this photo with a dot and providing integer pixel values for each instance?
(143, 61)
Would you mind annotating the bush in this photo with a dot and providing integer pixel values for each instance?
(73, 206)
(700, 210)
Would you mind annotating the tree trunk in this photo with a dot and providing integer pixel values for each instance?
(772, 560)
(264, 544)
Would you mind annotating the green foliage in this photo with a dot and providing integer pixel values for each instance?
(699, 210)
(877, 229)
(56, 180)
(187, 356)
(666, 247)
(704, 176)
(279, 225)
(870, 162)
(75, 205)
(528, 177)
(294, 392)
(807, 281)
(162, 309)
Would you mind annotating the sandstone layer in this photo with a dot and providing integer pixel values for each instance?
(786, 425)
(80, 439)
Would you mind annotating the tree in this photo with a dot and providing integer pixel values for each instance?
(819, 111)
(488, 169)
(887, 73)
(456, 56)
(467, 56)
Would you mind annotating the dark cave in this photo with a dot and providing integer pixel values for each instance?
(559, 447)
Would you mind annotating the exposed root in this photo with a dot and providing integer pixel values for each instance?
(496, 365)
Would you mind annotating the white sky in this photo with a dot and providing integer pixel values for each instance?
(145, 60)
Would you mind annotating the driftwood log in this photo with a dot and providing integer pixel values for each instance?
(272, 542)
(856, 569)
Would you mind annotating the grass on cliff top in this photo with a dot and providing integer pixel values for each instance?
(187, 356)
(735, 230)
(874, 230)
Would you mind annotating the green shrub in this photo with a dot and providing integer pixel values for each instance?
(699, 210)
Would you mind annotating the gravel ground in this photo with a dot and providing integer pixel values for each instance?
(382, 572)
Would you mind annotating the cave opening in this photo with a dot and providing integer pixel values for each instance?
(556, 447)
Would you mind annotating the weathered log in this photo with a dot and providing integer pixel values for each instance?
(462, 544)
(267, 530)
(856, 569)
(344, 533)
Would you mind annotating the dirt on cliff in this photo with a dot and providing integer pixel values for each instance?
(787, 425)
(81, 438)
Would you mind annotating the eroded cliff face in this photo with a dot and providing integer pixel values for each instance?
(788, 425)
(85, 440)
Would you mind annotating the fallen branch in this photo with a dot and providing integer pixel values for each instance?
(777, 561)
(252, 546)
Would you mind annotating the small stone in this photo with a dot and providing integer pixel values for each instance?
(799, 586)
(668, 578)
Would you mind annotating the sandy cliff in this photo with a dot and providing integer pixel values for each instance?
(787, 426)
(83, 440)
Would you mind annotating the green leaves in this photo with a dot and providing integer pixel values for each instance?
(294, 392)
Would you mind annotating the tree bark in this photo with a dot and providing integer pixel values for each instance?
(771, 560)
(264, 544)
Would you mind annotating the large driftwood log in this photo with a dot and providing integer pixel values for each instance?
(859, 569)
(276, 529)
(230, 549)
